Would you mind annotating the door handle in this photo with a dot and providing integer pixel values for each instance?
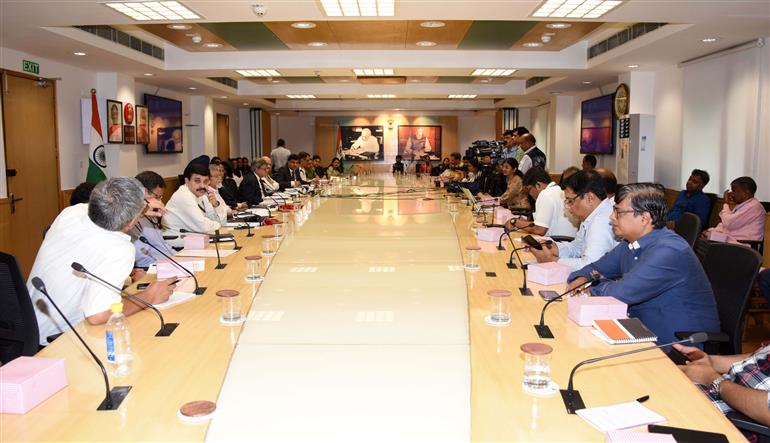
(13, 201)
(10, 172)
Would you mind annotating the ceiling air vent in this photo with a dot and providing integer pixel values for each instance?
(622, 37)
(227, 81)
(532, 81)
(121, 38)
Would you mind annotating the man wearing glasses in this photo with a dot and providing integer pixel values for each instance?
(150, 225)
(653, 269)
(252, 190)
(586, 199)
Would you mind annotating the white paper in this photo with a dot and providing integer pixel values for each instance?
(205, 252)
(175, 299)
(620, 416)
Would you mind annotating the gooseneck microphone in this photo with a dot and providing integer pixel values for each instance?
(165, 328)
(571, 397)
(112, 397)
(543, 331)
(198, 289)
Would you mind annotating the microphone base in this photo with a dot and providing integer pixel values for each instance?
(512, 266)
(200, 290)
(543, 331)
(251, 234)
(237, 248)
(167, 329)
(501, 248)
(220, 266)
(117, 395)
(525, 292)
(572, 400)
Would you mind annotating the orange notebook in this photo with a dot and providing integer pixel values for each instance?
(623, 330)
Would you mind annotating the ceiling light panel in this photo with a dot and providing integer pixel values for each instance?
(258, 72)
(372, 72)
(462, 95)
(381, 95)
(300, 96)
(575, 8)
(146, 11)
(359, 8)
(492, 72)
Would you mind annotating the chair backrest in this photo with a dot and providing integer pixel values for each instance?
(731, 269)
(19, 334)
(688, 227)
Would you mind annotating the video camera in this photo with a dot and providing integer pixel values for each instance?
(493, 148)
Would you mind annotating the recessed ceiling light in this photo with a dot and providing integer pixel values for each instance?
(146, 11)
(222, 96)
(414, 80)
(245, 104)
(79, 53)
(212, 45)
(303, 25)
(425, 43)
(492, 72)
(258, 72)
(359, 8)
(275, 81)
(317, 44)
(575, 8)
(532, 44)
(432, 24)
(372, 72)
(709, 40)
(192, 88)
(632, 66)
(555, 92)
(558, 25)
(343, 80)
(179, 27)
(586, 83)
(300, 96)
(381, 95)
(484, 80)
(462, 95)
(148, 74)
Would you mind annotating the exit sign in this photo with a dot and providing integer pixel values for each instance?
(31, 67)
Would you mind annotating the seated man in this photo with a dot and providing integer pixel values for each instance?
(270, 185)
(586, 199)
(306, 169)
(289, 176)
(192, 207)
(252, 190)
(610, 182)
(81, 193)
(653, 270)
(96, 236)
(398, 166)
(320, 172)
(742, 215)
(589, 163)
(692, 199)
(549, 218)
(733, 382)
(150, 226)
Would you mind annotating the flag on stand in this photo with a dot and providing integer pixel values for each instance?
(97, 161)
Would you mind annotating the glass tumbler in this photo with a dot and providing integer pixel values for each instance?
(253, 268)
(472, 258)
(499, 307)
(231, 306)
(269, 245)
(537, 368)
(279, 229)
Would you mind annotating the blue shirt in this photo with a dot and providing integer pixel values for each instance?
(145, 255)
(662, 282)
(697, 203)
(592, 241)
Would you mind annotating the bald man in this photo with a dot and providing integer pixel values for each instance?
(533, 156)
(610, 182)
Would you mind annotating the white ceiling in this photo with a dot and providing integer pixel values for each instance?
(43, 28)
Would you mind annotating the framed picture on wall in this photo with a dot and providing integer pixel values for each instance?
(114, 121)
(142, 125)
(364, 143)
(416, 141)
(129, 136)
(165, 123)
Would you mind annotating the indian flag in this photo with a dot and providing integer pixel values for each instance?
(96, 157)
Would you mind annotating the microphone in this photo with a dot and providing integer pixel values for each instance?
(217, 237)
(198, 289)
(165, 328)
(524, 290)
(543, 331)
(500, 246)
(571, 397)
(112, 397)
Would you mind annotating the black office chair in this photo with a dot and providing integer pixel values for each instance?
(745, 423)
(731, 270)
(701, 248)
(688, 227)
(757, 245)
(19, 335)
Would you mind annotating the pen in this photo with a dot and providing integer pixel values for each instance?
(643, 399)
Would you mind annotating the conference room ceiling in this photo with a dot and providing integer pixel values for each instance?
(475, 34)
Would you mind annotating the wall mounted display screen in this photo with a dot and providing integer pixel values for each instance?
(597, 126)
(165, 115)
(365, 143)
(417, 141)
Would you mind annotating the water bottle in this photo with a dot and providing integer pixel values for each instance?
(118, 334)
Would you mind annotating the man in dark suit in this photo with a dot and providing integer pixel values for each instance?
(288, 176)
(251, 190)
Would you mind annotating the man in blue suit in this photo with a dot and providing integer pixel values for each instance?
(653, 269)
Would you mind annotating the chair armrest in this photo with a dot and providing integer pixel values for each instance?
(747, 424)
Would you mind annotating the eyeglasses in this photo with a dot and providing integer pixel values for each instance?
(618, 212)
(570, 201)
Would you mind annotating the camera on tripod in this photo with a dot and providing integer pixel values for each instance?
(480, 148)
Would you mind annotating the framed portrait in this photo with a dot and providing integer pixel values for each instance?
(362, 143)
(114, 121)
(129, 136)
(416, 141)
(142, 125)
(165, 125)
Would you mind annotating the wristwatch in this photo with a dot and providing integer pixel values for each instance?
(715, 385)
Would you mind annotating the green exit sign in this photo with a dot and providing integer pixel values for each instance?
(31, 67)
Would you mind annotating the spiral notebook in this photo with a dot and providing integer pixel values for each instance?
(623, 331)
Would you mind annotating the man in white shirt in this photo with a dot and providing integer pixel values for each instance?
(280, 155)
(533, 156)
(585, 197)
(268, 182)
(193, 207)
(549, 218)
(96, 236)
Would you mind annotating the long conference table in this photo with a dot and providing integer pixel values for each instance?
(365, 328)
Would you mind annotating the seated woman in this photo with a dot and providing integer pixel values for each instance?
(335, 169)
(515, 195)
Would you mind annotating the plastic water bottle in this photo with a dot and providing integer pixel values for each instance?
(118, 334)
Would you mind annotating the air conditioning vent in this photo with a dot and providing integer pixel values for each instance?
(622, 37)
(127, 40)
(227, 81)
(532, 81)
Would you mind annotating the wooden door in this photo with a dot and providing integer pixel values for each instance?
(32, 165)
(223, 136)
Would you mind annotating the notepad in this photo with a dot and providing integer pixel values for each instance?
(175, 299)
(623, 331)
(620, 416)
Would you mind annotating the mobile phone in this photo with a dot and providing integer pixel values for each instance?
(532, 243)
(142, 286)
(548, 295)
